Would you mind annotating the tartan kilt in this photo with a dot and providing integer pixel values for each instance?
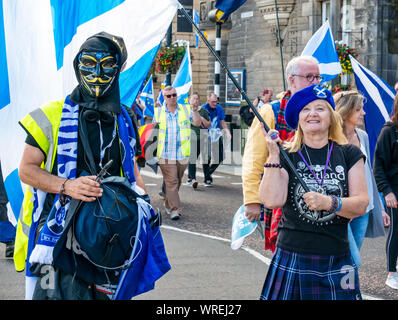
(293, 276)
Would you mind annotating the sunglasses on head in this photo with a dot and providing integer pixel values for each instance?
(171, 95)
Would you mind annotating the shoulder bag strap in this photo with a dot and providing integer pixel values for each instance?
(86, 145)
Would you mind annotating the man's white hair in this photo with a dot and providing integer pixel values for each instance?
(293, 65)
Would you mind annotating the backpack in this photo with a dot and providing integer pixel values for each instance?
(248, 116)
(99, 237)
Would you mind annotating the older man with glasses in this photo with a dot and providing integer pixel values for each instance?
(174, 145)
(301, 72)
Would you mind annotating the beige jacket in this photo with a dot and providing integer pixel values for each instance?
(255, 155)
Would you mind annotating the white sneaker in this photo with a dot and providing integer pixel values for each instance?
(207, 183)
(174, 215)
(392, 281)
(188, 183)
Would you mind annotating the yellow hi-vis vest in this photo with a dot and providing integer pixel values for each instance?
(43, 125)
(184, 124)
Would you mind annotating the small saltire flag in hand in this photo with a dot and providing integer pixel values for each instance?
(378, 103)
(147, 98)
(183, 80)
(227, 7)
(321, 46)
(160, 98)
(241, 228)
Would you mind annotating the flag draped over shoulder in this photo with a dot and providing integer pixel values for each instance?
(183, 80)
(321, 46)
(227, 7)
(147, 98)
(38, 41)
(378, 103)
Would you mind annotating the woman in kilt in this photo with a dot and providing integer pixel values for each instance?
(312, 260)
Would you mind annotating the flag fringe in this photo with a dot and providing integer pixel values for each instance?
(41, 254)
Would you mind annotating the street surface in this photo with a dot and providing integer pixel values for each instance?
(206, 226)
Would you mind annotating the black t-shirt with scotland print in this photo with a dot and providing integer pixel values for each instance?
(316, 232)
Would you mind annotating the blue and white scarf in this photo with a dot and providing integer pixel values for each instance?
(67, 165)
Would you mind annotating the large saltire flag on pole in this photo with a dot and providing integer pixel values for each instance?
(321, 46)
(38, 41)
(183, 80)
(196, 19)
(378, 103)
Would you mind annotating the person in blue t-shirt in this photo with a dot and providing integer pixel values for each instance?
(218, 124)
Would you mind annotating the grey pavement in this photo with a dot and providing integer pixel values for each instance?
(202, 269)
(12, 283)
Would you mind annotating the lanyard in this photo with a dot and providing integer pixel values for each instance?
(313, 173)
(103, 149)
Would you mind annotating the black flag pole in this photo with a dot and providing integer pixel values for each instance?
(278, 30)
(242, 92)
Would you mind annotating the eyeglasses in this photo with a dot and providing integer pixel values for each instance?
(310, 77)
(171, 95)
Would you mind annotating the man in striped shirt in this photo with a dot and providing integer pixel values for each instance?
(174, 145)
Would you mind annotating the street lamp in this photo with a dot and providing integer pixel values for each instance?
(215, 16)
(168, 44)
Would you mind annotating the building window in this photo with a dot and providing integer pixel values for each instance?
(203, 11)
(325, 11)
(346, 22)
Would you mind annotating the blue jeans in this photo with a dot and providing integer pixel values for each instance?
(356, 233)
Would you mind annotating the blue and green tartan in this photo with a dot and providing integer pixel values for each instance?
(294, 276)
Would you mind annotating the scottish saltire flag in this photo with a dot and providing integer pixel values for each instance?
(241, 228)
(378, 103)
(183, 80)
(147, 98)
(160, 98)
(228, 6)
(196, 19)
(4, 86)
(321, 46)
(38, 41)
(7, 229)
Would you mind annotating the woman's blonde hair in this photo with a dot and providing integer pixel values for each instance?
(346, 101)
(336, 133)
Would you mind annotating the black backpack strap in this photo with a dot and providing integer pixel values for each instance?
(86, 145)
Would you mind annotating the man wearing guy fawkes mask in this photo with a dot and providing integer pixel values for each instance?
(97, 108)
(97, 67)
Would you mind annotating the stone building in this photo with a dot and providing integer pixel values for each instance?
(249, 40)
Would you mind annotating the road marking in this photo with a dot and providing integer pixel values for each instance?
(251, 251)
(200, 174)
(159, 175)
(150, 184)
(151, 174)
(254, 253)
(237, 183)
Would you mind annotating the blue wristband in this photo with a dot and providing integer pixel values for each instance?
(340, 204)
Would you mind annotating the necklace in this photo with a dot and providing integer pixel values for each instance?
(320, 184)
